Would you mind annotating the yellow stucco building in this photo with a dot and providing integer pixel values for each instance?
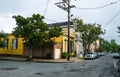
(12, 46)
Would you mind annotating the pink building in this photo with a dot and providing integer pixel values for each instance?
(94, 45)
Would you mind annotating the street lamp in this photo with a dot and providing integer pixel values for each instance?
(66, 6)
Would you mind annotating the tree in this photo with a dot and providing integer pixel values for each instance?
(104, 45)
(2, 37)
(108, 46)
(113, 45)
(118, 49)
(34, 31)
(89, 33)
(118, 29)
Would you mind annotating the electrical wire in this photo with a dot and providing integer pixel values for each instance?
(46, 8)
(100, 6)
(112, 19)
(51, 20)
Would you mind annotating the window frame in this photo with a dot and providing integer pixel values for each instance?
(14, 43)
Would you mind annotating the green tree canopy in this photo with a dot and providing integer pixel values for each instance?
(118, 48)
(34, 31)
(113, 45)
(104, 45)
(3, 35)
(89, 33)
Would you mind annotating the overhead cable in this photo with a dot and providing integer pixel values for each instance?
(100, 6)
(51, 20)
(46, 8)
(112, 19)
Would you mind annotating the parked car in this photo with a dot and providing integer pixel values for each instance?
(90, 55)
(119, 65)
(116, 55)
(101, 54)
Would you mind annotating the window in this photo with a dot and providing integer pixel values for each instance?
(6, 44)
(14, 43)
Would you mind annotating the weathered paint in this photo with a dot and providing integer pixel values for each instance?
(10, 50)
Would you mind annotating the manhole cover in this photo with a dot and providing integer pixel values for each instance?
(9, 68)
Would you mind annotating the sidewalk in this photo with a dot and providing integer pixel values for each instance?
(75, 59)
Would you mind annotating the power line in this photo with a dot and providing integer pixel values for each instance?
(112, 19)
(46, 8)
(51, 20)
(100, 6)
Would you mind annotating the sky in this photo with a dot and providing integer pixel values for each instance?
(103, 12)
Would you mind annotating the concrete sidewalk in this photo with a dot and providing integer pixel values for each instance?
(72, 59)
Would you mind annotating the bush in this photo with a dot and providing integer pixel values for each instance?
(29, 59)
(64, 55)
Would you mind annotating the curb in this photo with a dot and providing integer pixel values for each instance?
(53, 61)
(37, 61)
(14, 60)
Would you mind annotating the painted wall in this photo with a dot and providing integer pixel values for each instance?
(61, 45)
(94, 45)
(10, 50)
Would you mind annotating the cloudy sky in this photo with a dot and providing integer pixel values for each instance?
(104, 12)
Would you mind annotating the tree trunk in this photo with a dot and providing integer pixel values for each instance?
(88, 47)
(30, 54)
(84, 50)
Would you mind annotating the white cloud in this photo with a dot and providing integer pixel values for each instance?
(6, 24)
(26, 8)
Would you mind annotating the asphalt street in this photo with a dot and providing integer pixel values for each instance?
(104, 66)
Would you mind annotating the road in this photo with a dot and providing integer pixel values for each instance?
(102, 67)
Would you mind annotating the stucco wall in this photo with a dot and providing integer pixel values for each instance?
(10, 50)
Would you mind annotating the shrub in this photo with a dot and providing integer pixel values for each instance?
(64, 55)
(29, 59)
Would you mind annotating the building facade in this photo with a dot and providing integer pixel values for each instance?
(14, 46)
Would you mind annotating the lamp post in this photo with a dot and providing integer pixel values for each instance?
(66, 6)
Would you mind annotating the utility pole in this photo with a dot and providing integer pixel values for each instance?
(68, 30)
(63, 6)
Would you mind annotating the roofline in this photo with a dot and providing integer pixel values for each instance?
(60, 23)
